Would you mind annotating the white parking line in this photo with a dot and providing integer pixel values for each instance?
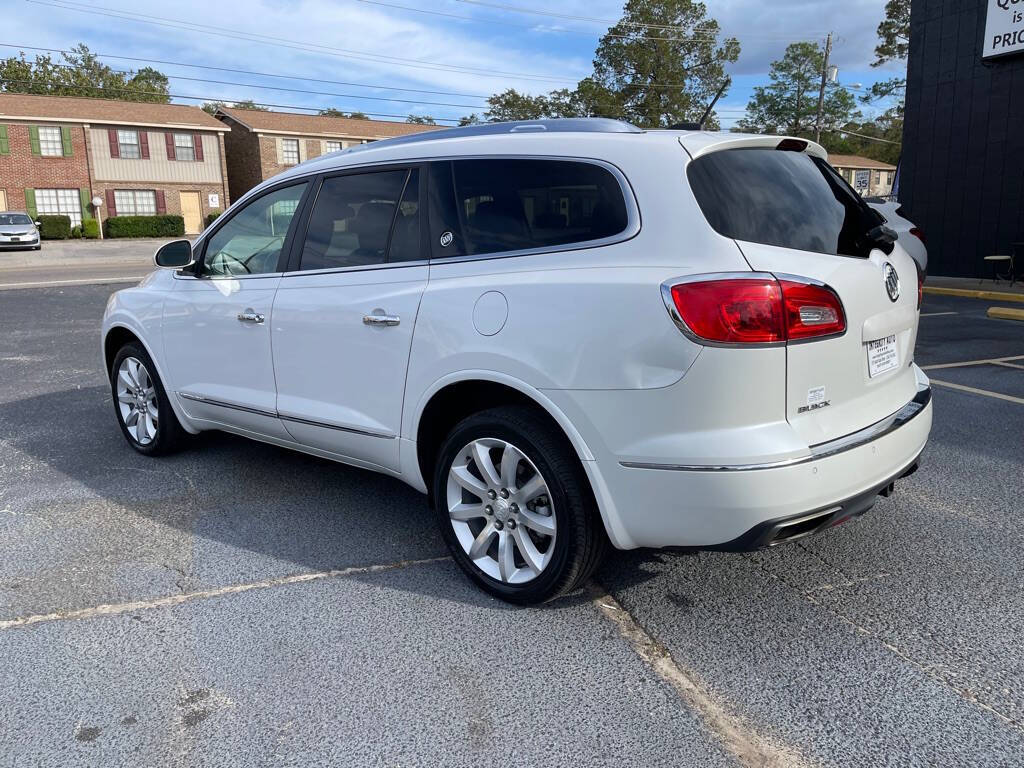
(85, 281)
(748, 747)
(976, 391)
(994, 360)
(115, 609)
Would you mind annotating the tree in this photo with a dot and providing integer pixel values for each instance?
(332, 112)
(888, 127)
(213, 106)
(893, 45)
(660, 65)
(513, 105)
(421, 120)
(81, 74)
(789, 104)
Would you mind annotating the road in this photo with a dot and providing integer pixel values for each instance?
(240, 605)
(77, 262)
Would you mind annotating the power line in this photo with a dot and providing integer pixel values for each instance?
(249, 72)
(532, 27)
(861, 135)
(595, 20)
(288, 43)
(209, 99)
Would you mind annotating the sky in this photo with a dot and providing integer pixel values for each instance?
(448, 55)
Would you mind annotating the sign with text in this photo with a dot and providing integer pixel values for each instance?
(1004, 28)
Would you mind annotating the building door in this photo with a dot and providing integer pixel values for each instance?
(192, 212)
(3, 200)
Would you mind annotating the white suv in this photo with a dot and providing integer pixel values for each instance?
(565, 333)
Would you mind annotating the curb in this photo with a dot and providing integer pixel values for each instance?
(1006, 313)
(967, 293)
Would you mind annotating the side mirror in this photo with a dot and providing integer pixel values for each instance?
(881, 237)
(174, 255)
(38, 223)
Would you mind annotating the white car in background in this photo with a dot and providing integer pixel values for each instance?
(18, 230)
(909, 235)
(566, 333)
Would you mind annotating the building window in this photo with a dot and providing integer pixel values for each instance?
(184, 148)
(334, 146)
(50, 143)
(878, 177)
(290, 151)
(888, 178)
(60, 202)
(128, 144)
(135, 202)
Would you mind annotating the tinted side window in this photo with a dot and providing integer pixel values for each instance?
(788, 199)
(352, 220)
(250, 242)
(511, 205)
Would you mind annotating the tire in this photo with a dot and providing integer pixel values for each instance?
(165, 435)
(562, 524)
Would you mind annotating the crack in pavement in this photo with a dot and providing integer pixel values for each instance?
(736, 736)
(115, 609)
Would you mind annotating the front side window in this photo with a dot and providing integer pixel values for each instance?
(135, 202)
(184, 148)
(60, 202)
(356, 216)
(290, 151)
(50, 143)
(786, 199)
(523, 204)
(333, 146)
(128, 144)
(250, 242)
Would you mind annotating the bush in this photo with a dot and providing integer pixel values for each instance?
(90, 229)
(212, 217)
(144, 226)
(54, 227)
(76, 232)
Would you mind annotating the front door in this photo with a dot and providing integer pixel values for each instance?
(344, 316)
(217, 324)
(192, 212)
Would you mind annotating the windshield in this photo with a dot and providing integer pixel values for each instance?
(7, 219)
(787, 199)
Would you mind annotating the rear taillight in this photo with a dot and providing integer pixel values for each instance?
(759, 309)
(916, 232)
(920, 284)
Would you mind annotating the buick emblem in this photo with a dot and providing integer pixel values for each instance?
(892, 281)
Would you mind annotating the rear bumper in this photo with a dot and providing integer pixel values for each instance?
(743, 507)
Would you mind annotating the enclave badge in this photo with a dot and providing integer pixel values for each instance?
(892, 281)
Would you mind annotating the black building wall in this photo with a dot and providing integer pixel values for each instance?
(962, 173)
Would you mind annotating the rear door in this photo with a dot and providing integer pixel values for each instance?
(791, 214)
(344, 315)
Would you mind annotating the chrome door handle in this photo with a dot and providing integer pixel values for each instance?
(250, 316)
(381, 320)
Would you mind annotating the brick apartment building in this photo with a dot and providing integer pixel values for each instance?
(58, 153)
(871, 178)
(261, 144)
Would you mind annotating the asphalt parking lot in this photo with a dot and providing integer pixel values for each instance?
(237, 604)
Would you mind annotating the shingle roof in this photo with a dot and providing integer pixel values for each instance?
(856, 161)
(84, 110)
(322, 125)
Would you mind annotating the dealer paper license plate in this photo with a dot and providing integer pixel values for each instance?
(882, 356)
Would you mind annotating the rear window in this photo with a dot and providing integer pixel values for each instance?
(524, 204)
(788, 199)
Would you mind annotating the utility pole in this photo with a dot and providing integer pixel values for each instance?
(821, 93)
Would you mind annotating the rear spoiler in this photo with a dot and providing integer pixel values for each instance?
(700, 144)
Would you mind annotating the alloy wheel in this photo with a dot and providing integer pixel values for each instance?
(136, 400)
(501, 511)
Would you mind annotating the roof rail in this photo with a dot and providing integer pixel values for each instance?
(559, 125)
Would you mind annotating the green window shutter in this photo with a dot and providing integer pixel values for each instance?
(86, 202)
(65, 139)
(33, 139)
(5, 144)
(30, 202)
